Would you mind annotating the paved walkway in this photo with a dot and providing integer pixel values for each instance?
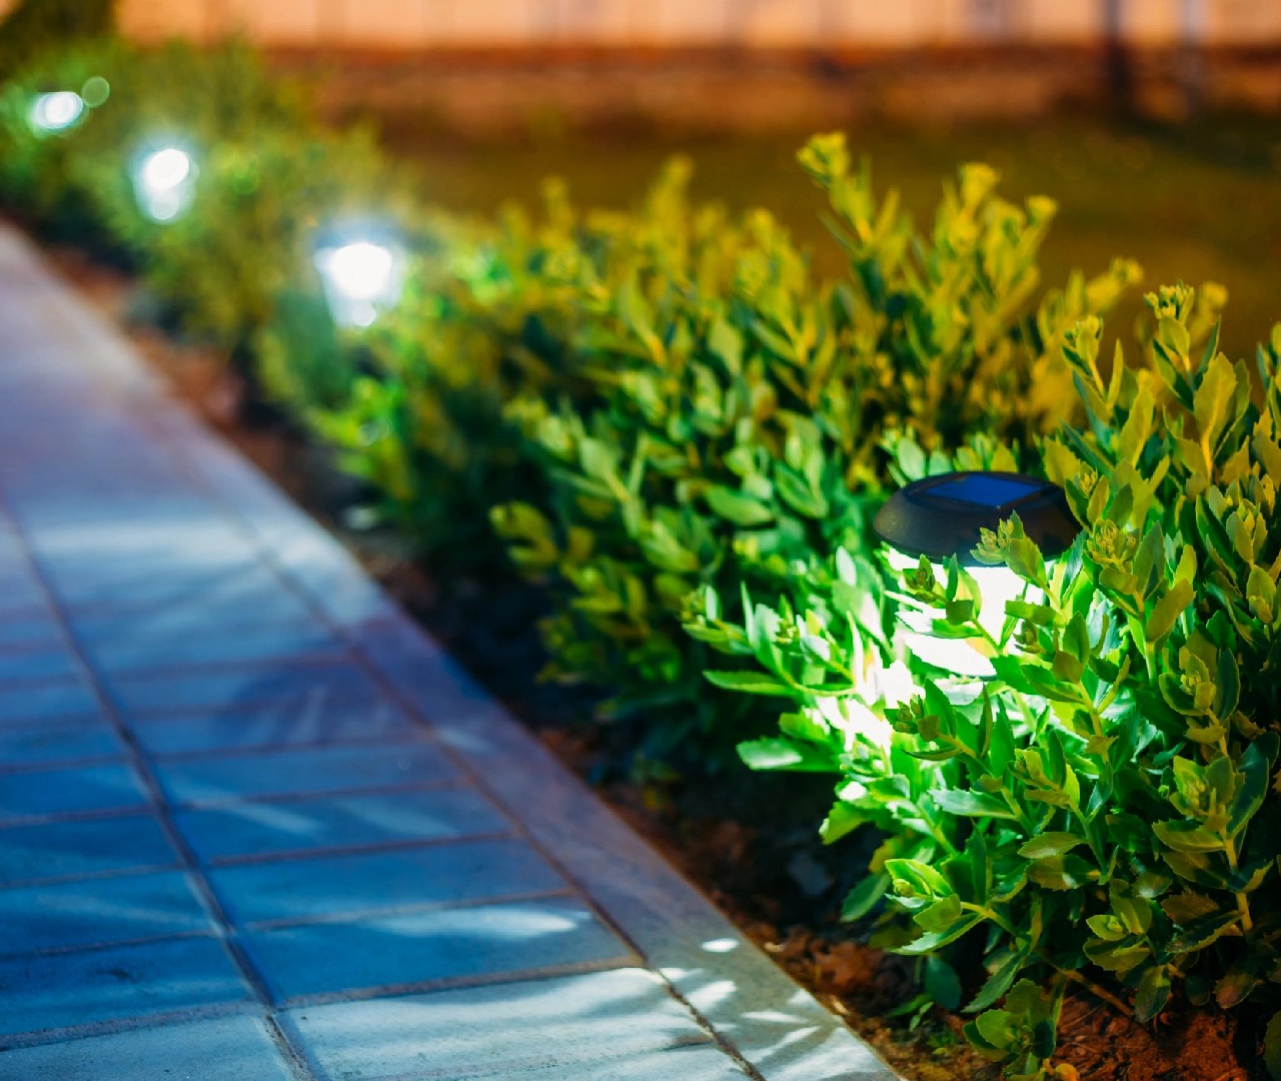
(255, 825)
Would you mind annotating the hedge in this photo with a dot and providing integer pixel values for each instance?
(667, 419)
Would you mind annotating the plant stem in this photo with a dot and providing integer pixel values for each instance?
(1097, 991)
(1243, 902)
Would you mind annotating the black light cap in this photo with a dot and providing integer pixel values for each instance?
(941, 516)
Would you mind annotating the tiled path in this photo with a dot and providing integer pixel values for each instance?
(255, 826)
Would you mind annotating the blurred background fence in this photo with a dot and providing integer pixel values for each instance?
(1156, 123)
(748, 65)
(821, 24)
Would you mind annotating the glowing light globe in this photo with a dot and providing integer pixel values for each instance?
(57, 111)
(361, 276)
(165, 184)
(941, 517)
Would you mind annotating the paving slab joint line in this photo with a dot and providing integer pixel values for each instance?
(409, 703)
(223, 929)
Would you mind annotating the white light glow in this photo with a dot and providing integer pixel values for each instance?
(164, 184)
(165, 170)
(57, 111)
(360, 271)
(360, 278)
(720, 945)
(965, 657)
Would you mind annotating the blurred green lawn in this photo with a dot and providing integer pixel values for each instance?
(1197, 202)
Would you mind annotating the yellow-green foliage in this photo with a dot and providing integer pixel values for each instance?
(722, 418)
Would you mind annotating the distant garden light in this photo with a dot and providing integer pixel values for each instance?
(56, 112)
(95, 91)
(164, 183)
(940, 517)
(362, 273)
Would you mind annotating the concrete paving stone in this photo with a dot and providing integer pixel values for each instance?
(52, 991)
(242, 582)
(322, 886)
(440, 944)
(241, 645)
(106, 580)
(19, 592)
(92, 509)
(259, 829)
(76, 564)
(48, 744)
(37, 665)
(112, 487)
(220, 1049)
(305, 771)
(248, 686)
(94, 846)
(333, 579)
(63, 553)
(100, 911)
(85, 576)
(108, 787)
(295, 722)
(701, 1063)
(216, 615)
(28, 630)
(556, 1024)
(59, 700)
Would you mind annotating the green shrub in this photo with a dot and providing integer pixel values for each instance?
(33, 26)
(1101, 809)
(732, 414)
(267, 174)
(414, 404)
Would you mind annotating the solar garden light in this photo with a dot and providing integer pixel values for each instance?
(56, 112)
(940, 517)
(362, 270)
(164, 183)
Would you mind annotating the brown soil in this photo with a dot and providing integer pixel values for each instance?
(773, 879)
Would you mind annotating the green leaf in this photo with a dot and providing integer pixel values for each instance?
(861, 899)
(841, 819)
(942, 983)
(972, 804)
(1060, 872)
(1272, 1046)
(785, 754)
(1212, 399)
(1238, 983)
(725, 341)
(748, 683)
(1153, 993)
(1187, 837)
(940, 915)
(1200, 933)
(938, 939)
(1168, 609)
(1049, 844)
(1000, 1028)
(914, 880)
(737, 508)
(1256, 768)
(995, 986)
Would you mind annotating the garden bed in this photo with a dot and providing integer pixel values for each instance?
(747, 840)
